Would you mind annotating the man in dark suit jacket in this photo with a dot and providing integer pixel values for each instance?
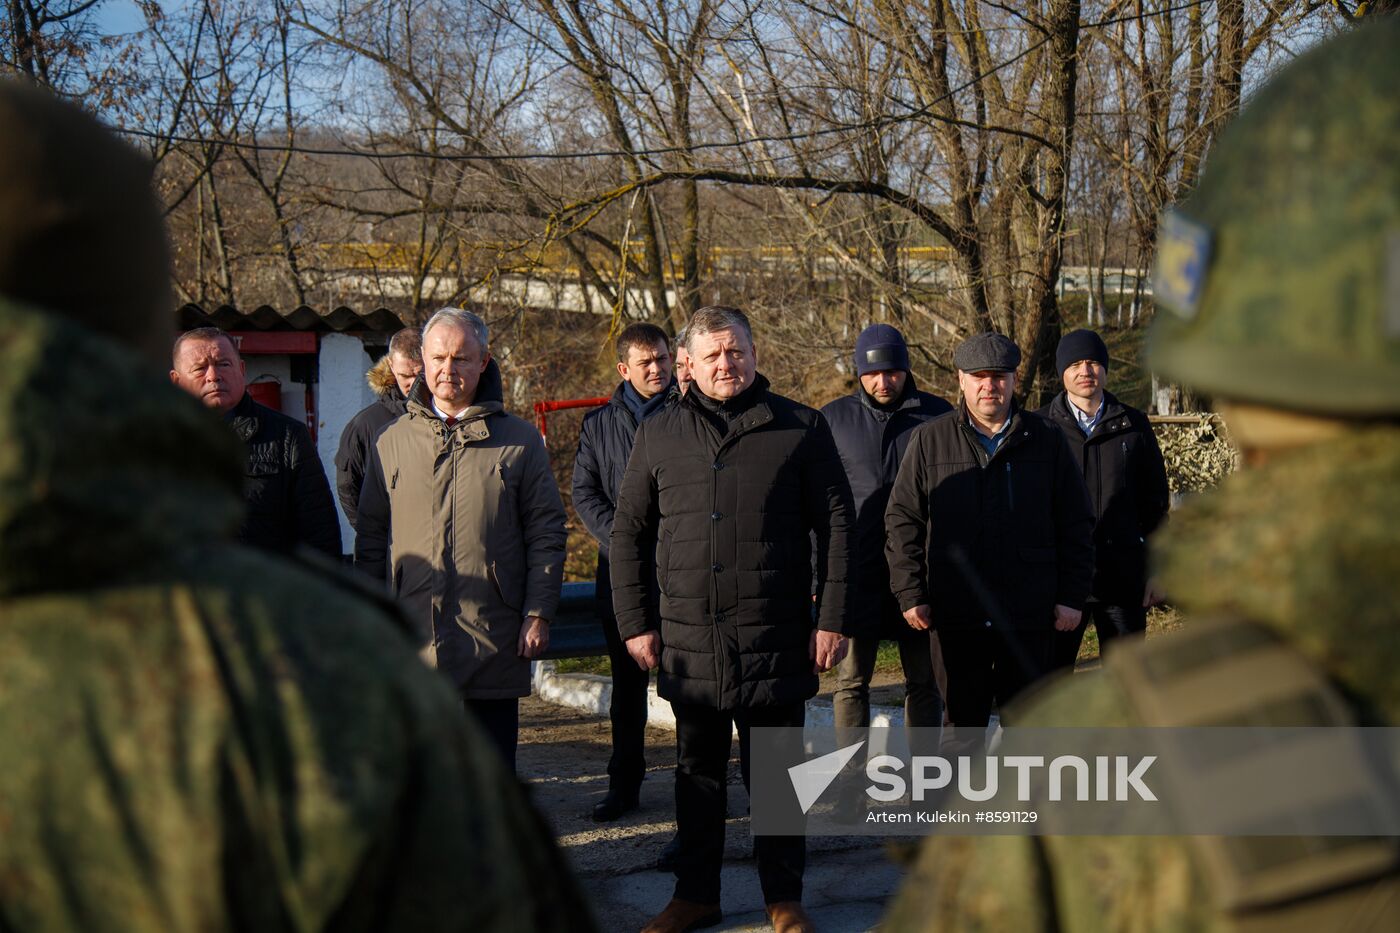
(285, 486)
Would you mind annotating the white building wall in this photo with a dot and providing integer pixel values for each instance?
(341, 394)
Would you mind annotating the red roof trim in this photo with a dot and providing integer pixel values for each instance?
(265, 343)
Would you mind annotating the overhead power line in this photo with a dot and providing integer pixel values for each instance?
(488, 157)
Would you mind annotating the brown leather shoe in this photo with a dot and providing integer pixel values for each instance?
(789, 917)
(680, 916)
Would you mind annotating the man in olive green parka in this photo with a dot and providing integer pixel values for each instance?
(461, 517)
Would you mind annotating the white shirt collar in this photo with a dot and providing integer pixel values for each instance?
(444, 415)
(1087, 423)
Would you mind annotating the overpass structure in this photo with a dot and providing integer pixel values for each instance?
(388, 271)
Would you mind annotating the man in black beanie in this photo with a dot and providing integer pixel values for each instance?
(872, 427)
(1114, 445)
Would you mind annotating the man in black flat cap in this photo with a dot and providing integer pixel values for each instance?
(1127, 482)
(989, 535)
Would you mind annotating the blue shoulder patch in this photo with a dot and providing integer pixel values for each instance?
(1183, 258)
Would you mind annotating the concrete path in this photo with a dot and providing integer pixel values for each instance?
(591, 693)
(563, 760)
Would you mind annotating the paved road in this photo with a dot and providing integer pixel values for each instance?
(563, 758)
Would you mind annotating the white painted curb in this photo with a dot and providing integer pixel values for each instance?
(592, 693)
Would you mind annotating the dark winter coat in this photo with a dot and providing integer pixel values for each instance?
(604, 446)
(1127, 484)
(285, 486)
(1021, 517)
(359, 434)
(872, 442)
(723, 523)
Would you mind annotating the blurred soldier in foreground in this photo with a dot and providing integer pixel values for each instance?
(288, 497)
(390, 378)
(195, 735)
(1114, 445)
(604, 444)
(1279, 287)
(461, 518)
(999, 486)
(872, 427)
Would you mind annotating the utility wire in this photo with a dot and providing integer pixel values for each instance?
(873, 124)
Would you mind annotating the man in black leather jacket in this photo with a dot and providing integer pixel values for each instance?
(285, 487)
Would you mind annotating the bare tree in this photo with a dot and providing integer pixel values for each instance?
(464, 71)
(1002, 134)
(1174, 77)
(47, 41)
(827, 162)
(639, 64)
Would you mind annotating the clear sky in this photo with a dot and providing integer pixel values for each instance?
(115, 17)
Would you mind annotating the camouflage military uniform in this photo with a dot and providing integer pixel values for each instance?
(195, 736)
(1319, 567)
(1289, 572)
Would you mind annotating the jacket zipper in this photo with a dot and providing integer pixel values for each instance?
(716, 627)
(1010, 490)
(716, 636)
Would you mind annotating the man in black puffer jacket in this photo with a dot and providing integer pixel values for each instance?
(390, 379)
(719, 502)
(1114, 445)
(872, 427)
(284, 485)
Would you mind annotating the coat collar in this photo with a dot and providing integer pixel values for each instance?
(381, 381)
(909, 400)
(758, 413)
(1017, 431)
(1276, 533)
(244, 418)
(1113, 419)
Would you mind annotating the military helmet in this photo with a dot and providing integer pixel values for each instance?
(1278, 279)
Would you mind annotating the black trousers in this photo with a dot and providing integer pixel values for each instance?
(702, 761)
(627, 710)
(986, 665)
(501, 720)
(1110, 620)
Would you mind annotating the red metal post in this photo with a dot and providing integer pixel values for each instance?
(542, 410)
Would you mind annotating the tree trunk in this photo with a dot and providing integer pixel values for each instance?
(1042, 328)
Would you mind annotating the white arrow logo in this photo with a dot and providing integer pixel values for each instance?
(811, 778)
